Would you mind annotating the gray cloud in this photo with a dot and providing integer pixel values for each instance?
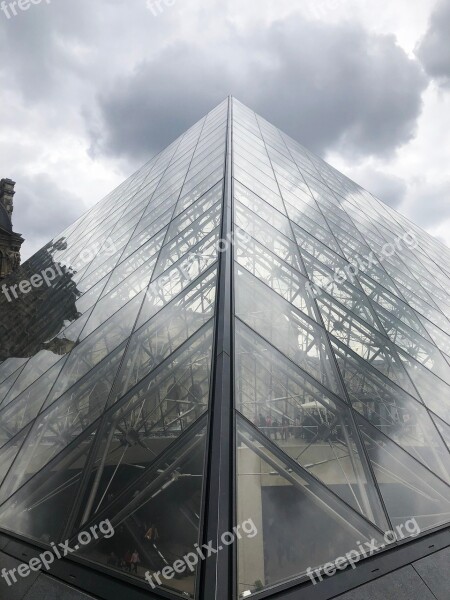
(141, 113)
(434, 48)
(40, 47)
(73, 70)
(42, 209)
(326, 85)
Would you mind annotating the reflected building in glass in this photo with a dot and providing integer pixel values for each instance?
(237, 333)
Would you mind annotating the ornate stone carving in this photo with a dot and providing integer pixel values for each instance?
(10, 242)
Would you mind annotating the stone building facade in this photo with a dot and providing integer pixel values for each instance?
(10, 242)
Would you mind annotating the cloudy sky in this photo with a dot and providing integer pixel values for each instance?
(89, 91)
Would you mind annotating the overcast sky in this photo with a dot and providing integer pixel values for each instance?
(90, 91)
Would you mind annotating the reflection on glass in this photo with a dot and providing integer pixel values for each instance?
(29, 320)
(157, 519)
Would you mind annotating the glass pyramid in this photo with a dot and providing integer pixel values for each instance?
(237, 333)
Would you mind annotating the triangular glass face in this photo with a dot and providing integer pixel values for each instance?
(408, 489)
(302, 419)
(40, 510)
(282, 512)
(148, 420)
(156, 520)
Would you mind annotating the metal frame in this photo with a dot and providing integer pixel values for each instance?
(217, 574)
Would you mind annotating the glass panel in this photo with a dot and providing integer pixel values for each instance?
(392, 304)
(360, 338)
(193, 214)
(441, 339)
(9, 452)
(310, 225)
(27, 405)
(85, 283)
(40, 510)
(417, 347)
(213, 195)
(253, 184)
(10, 366)
(343, 293)
(273, 272)
(120, 296)
(266, 235)
(149, 233)
(62, 423)
(444, 429)
(87, 300)
(164, 289)
(408, 489)
(8, 384)
(393, 412)
(166, 331)
(150, 419)
(265, 211)
(284, 327)
(35, 367)
(286, 507)
(136, 260)
(157, 519)
(434, 392)
(309, 425)
(190, 237)
(97, 347)
(319, 251)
